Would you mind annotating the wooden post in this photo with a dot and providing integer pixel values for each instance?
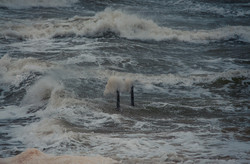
(132, 96)
(117, 100)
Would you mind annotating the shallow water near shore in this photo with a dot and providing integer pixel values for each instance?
(189, 61)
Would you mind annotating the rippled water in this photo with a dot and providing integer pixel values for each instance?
(189, 61)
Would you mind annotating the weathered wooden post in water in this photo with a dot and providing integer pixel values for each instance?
(117, 100)
(132, 96)
(115, 85)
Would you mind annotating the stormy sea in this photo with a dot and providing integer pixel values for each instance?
(187, 60)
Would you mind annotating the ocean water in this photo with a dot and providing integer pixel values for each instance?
(189, 61)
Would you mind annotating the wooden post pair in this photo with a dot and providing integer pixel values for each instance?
(131, 98)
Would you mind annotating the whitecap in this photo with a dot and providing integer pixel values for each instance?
(20, 4)
(122, 24)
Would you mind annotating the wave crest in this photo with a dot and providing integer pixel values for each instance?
(15, 71)
(122, 24)
(20, 4)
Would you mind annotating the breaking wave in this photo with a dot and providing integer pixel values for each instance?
(20, 4)
(41, 91)
(121, 24)
(13, 70)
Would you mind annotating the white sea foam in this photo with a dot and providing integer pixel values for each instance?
(61, 103)
(48, 89)
(50, 133)
(45, 133)
(38, 46)
(168, 146)
(122, 24)
(14, 112)
(40, 91)
(19, 4)
(165, 83)
(175, 79)
(133, 27)
(214, 8)
(52, 130)
(15, 70)
(16, 66)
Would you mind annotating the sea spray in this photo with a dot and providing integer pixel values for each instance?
(40, 91)
(118, 83)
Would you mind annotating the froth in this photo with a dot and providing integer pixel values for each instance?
(41, 91)
(19, 4)
(50, 91)
(15, 70)
(15, 66)
(213, 8)
(173, 79)
(150, 83)
(133, 27)
(122, 24)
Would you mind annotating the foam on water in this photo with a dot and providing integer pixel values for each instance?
(181, 146)
(51, 133)
(17, 75)
(66, 123)
(15, 70)
(14, 112)
(60, 102)
(41, 91)
(173, 79)
(61, 123)
(191, 100)
(20, 4)
(213, 8)
(38, 46)
(122, 24)
(193, 86)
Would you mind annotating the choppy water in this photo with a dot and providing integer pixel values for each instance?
(189, 59)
